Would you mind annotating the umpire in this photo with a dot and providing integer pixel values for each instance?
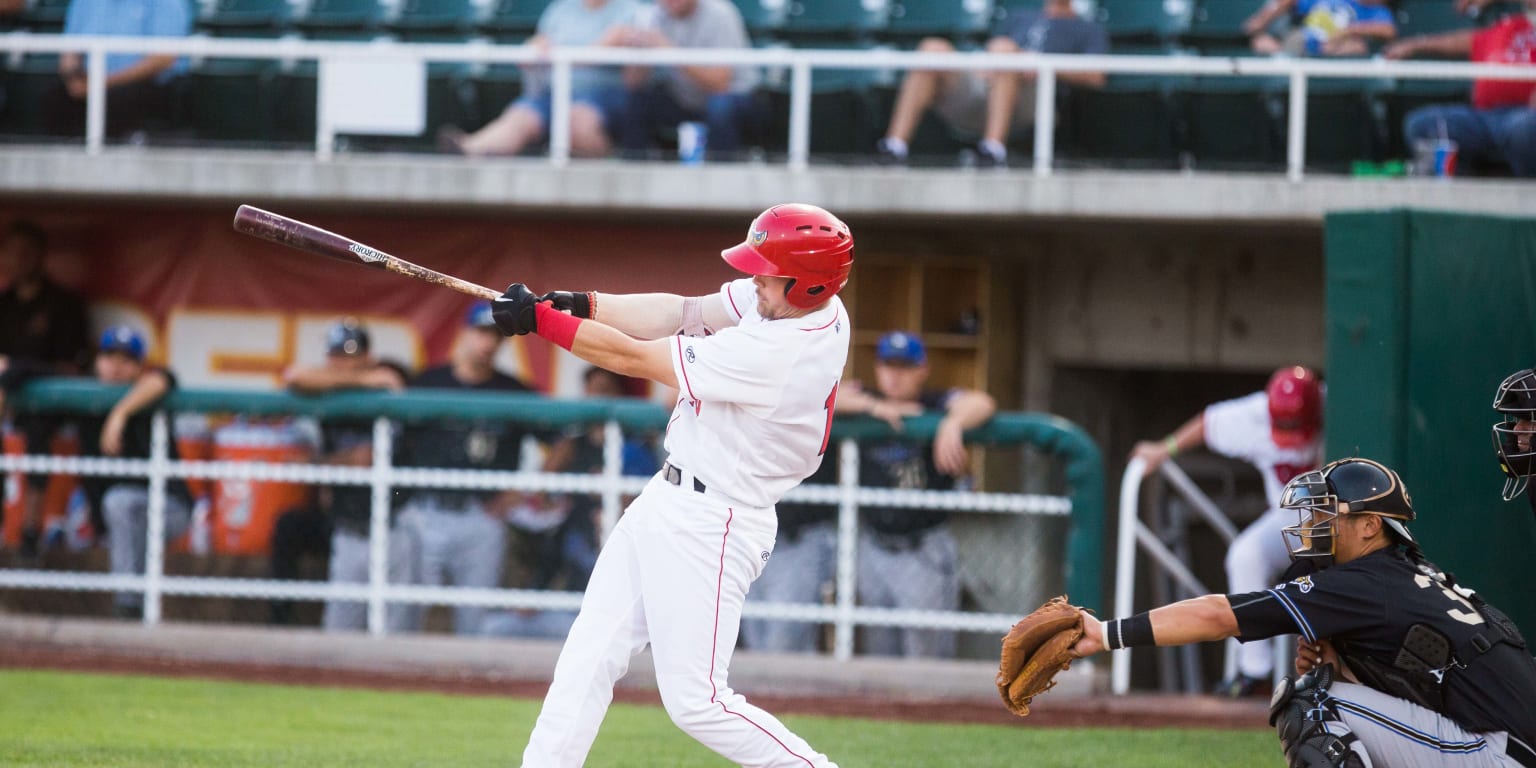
(1403, 666)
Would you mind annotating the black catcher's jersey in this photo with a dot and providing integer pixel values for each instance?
(1367, 606)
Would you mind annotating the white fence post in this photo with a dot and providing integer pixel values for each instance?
(378, 527)
(95, 99)
(847, 548)
(154, 549)
(1045, 120)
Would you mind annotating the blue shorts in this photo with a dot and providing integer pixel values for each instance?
(607, 100)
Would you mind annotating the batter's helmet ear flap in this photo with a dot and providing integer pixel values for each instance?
(801, 242)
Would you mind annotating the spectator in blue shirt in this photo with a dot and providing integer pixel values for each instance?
(138, 85)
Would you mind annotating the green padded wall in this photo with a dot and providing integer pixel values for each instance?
(1427, 313)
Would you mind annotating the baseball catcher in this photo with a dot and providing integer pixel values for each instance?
(1037, 648)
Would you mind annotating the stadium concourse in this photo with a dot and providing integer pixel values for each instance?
(895, 689)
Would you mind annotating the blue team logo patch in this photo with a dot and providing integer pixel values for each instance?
(758, 237)
(1305, 583)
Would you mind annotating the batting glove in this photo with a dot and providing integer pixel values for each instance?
(513, 311)
(578, 303)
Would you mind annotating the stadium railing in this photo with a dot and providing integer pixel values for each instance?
(798, 62)
(1078, 457)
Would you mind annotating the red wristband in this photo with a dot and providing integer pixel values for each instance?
(555, 325)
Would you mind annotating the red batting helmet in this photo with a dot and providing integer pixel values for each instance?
(1295, 406)
(800, 242)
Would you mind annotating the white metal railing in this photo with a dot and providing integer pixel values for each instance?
(1133, 532)
(799, 62)
(382, 476)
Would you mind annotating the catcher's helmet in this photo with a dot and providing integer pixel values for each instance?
(347, 337)
(801, 242)
(1344, 487)
(1295, 406)
(1516, 399)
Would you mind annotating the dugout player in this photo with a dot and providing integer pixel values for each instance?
(462, 537)
(1279, 432)
(756, 366)
(1425, 673)
(1513, 437)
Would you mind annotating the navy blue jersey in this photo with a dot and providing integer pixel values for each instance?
(462, 443)
(904, 463)
(1366, 608)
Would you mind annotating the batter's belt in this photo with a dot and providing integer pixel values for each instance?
(674, 476)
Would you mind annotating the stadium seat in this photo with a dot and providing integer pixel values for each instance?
(954, 19)
(816, 21)
(1128, 122)
(1429, 17)
(1345, 122)
(433, 20)
(764, 18)
(1219, 24)
(231, 100)
(1145, 20)
(25, 84)
(341, 19)
(842, 111)
(512, 21)
(258, 18)
(45, 16)
(1232, 122)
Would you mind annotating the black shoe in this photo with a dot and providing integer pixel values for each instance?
(1245, 687)
(450, 140)
(987, 159)
(884, 155)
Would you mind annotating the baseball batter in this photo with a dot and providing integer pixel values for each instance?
(757, 368)
(1279, 432)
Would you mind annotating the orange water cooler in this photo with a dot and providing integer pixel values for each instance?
(244, 511)
(56, 495)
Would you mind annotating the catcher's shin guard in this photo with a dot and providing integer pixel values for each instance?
(1311, 733)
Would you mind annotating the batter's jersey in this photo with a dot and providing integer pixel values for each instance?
(1366, 607)
(755, 400)
(1240, 429)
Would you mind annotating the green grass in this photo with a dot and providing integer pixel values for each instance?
(69, 720)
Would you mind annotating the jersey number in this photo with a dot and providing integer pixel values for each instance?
(1469, 616)
(831, 401)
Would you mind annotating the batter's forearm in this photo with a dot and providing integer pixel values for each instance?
(607, 347)
(641, 315)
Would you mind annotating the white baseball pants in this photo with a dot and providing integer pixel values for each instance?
(1398, 732)
(674, 574)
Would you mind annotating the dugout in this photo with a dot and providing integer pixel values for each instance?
(1426, 313)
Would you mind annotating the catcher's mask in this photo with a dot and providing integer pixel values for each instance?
(1514, 438)
(1346, 486)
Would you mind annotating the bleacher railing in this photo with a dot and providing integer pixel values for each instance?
(798, 62)
(1079, 457)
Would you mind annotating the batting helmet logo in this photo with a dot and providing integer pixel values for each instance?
(758, 237)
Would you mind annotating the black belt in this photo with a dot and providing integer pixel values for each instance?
(674, 476)
(1522, 753)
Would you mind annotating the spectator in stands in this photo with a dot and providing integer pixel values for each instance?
(1322, 27)
(992, 105)
(722, 97)
(597, 93)
(1499, 126)
(138, 85)
(461, 533)
(124, 432)
(1279, 432)
(348, 441)
(803, 567)
(43, 331)
(908, 558)
(564, 531)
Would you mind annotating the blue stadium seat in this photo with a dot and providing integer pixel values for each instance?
(954, 19)
(1232, 122)
(843, 112)
(1346, 122)
(809, 21)
(1145, 20)
(1219, 23)
(257, 18)
(24, 86)
(1129, 122)
(433, 20)
(764, 18)
(45, 16)
(1429, 17)
(341, 19)
(231, 100)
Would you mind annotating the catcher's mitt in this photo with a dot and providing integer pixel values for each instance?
(1038, 647)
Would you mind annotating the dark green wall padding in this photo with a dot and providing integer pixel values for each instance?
(1427, 313)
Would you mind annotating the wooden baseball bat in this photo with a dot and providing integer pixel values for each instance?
(312, 239)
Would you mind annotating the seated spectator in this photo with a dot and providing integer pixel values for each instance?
(1322, 27)
(138, 85)
(597, 93)
(43, 332)
(348, 441)
(722, 97)
(125, 433)
(1499, 126)
(992, 106)
(908, 558)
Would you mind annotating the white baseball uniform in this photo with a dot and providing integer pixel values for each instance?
(751, 422)
(1240, 429)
